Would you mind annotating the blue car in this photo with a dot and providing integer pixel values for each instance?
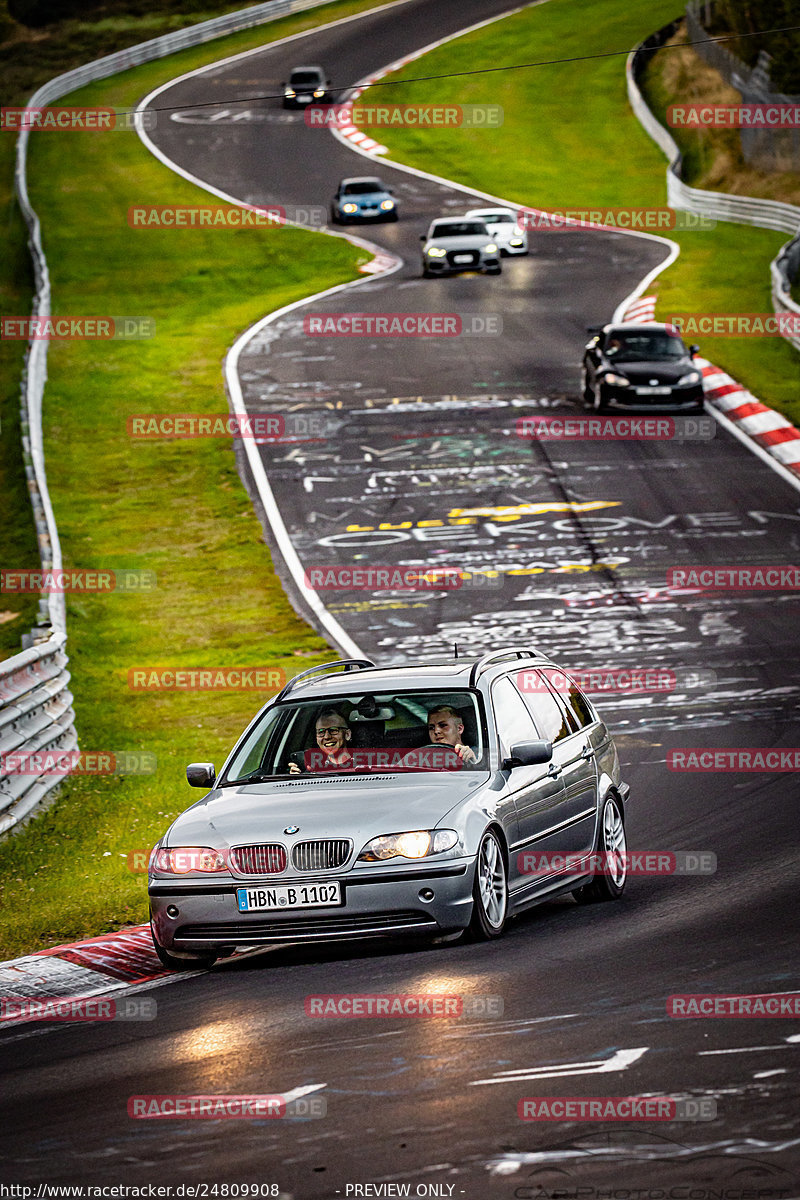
(365, 198)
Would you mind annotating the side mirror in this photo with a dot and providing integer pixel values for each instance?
(201, 775)
(528, 754)
(694, 350)
(423, 237)
(283, 85)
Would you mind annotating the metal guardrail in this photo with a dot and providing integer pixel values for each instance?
(769, 149)
(36, 713)
(721, 206)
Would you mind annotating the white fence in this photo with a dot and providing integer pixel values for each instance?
(35, 703)
(721, 206)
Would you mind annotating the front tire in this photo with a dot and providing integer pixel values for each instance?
(612, 846)
(194, 962)
(489, 891)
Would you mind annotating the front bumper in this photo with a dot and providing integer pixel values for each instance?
(388, 905)
(441, 266)
(690, 396)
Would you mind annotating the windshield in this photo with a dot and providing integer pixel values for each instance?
(406, 731)
(364, 188)
(644, 347)
(460, 229)
(304, 78)
(499, 218)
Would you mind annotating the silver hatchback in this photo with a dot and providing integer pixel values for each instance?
(426, 800)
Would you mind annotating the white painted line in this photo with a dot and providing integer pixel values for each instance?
(619, 1061)
(741, 1049)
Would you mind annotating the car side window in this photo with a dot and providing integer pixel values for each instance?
(514, 722)
(549, 718)
(579, 706)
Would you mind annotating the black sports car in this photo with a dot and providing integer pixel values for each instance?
(640, 366)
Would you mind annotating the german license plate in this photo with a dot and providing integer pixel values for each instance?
(654, 391)
(462, 258)
(276, 899)
(304, 99)
(370, 212)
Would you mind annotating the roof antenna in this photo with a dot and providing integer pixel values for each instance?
(455, 649)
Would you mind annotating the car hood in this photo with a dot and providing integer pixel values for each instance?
(664, 370)
(365, 198)
(477, 242)
(322, 808)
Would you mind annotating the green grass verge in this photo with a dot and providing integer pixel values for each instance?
(176, 508)
(569, 140)
(27, 59)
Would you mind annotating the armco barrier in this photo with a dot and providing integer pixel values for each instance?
(35, 703)
(742, 210)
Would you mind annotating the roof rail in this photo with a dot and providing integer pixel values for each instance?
(507, 652)
(347, 664)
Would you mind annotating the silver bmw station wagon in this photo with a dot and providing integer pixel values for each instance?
(431, 800)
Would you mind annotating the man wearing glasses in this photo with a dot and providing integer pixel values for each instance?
(332, 733)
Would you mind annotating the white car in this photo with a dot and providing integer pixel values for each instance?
(457, 244)
(504, 228)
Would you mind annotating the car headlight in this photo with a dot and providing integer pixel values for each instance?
(289, 93)
(436, 252)
(180, 860)
(615, 380)
(515, 242)
(387, 204)
(319, 93)
(690, 377)
(418, 844)
(349, 208)
(490, 248)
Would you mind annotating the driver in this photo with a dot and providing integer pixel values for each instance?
(445, 728)
(332, 734)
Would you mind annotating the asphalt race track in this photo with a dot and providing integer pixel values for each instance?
(568, 545)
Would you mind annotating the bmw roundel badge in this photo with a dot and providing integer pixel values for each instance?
(292, 829)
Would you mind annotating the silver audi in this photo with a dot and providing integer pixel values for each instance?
(432, 800)
(455, 244)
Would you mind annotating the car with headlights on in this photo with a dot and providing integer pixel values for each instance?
(307, 85)
(640, 366)
(455, 244)
(363, 198)
(434, 800)
(503, 228)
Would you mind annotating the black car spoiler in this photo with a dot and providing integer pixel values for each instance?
(595, 328)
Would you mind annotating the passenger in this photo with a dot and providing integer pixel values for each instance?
(332, 733)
